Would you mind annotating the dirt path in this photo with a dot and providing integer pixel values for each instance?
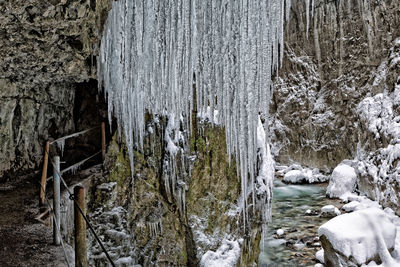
(23, 240)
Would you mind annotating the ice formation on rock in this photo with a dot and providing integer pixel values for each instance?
(175, 57)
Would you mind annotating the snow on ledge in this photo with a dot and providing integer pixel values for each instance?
(226, 255)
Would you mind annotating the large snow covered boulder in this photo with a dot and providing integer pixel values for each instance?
(343, 180)
(357, 238)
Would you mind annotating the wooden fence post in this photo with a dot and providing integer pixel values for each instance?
(103, 141)
(44, 175)
(80, 227)
(56, 201)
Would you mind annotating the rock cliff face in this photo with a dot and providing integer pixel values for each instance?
(326, 75)
(47, 53)
(337, 94)
(145, 222)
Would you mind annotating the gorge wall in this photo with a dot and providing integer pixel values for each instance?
(326, 75)
(47, 55)
(48, 79)
(49, 50)
(337, 95)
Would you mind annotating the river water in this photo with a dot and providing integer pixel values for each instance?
(291, 212)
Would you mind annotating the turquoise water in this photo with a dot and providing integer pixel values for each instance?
(299, 243)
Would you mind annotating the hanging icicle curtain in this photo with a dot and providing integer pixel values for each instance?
(154, 52)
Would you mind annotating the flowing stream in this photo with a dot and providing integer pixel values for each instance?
(295, 210)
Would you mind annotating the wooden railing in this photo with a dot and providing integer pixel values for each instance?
(78, 197)
(44, 179)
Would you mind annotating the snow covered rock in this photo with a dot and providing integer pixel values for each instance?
(297, 176)
(343, 180)
(357, 238)
(280, 232)
(320, 256)
(330, 211)
(352, 206)
(300, 176)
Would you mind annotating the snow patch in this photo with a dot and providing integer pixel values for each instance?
(280, 232)
(226, 255)
(330, 210)
(352, 206)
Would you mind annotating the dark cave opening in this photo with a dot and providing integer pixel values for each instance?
(89, 111)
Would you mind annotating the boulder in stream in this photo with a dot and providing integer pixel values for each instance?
(358, 238)
(343, 180)
(329, 211)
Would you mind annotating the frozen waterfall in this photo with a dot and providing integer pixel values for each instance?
(155, 55)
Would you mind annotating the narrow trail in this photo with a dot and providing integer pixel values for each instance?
(23, 240)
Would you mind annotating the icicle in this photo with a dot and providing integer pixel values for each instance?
(312, 7)
(307, 16)
(61, 145)
(78, 165)
(73, 169)
(288, 5)
(151, 50)
(61, 141)
(155, 228)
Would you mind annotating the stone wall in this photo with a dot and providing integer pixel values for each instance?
(47, 52)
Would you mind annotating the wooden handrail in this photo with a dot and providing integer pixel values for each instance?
(44, 178)
(73, 135)
(44, 174)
